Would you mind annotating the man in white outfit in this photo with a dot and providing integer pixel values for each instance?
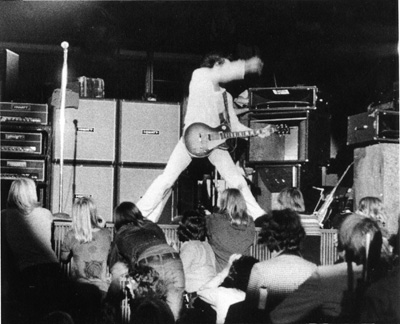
(211, 104)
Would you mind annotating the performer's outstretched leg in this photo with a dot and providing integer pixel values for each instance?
(153, 201)
(234, 179)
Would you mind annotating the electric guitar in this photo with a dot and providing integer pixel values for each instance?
(201, 139)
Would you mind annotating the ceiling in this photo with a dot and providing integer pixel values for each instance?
(346, 48)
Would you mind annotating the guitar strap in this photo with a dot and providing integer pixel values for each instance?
(224, 119)
(226, 108)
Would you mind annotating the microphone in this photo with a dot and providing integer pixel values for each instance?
(317, 188)
(64, 45)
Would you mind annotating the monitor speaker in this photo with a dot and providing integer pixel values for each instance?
(149, 131)
(274, 178)
(92, 181)
(89, 131)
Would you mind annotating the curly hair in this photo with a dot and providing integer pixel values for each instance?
(148, 282)
(239, 273)
(282, 230)
(192, 226)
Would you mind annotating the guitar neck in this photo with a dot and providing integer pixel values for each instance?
(227, 135)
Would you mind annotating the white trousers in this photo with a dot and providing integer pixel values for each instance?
(152, 203)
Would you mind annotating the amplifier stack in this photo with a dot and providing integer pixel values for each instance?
(25, 147)
(294, 158)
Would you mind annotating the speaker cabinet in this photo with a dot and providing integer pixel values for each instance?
(133, 183)
(149, 131)
(308, 139)
(89, 131)
(84, 180)
(272, 179)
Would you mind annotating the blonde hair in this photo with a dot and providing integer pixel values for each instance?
(372, 207)
(23, 196)
(232, 202)
(291, 198)
(84, 219)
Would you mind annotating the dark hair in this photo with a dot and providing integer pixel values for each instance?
(192, 226)
(282, 230)
(148, 282)
(239, 273)
(126, 213)
(211, 59)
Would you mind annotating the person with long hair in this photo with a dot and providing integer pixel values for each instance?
(26, 236)
(87, 244)
(373, 207)
(231, 230)
(139, 241)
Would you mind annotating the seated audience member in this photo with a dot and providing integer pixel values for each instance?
(228, 287)
(26, 231)
(282, 233)
(382, 298)
(139, 241)
(196, 254)
(230, 230)
(310, 247)
(328, 295)
(88, 244)
(372, 207)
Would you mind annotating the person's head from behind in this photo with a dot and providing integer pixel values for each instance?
(291, 198)
(192, 227)
(282, 231)
(239, 273)
(22, 195)
(232, 203)
(372, 207)
(356, 234)
(127, 213)
(150, 310)
(84, 218)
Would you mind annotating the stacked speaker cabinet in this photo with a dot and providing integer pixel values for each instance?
(290, 157)
(89, 156)
(25, 147)
(148, 134)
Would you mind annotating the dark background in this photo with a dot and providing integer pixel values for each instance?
(348, 49)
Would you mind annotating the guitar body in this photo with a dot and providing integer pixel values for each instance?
(200, 139)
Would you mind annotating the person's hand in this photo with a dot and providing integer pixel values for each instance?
(254, 65)
(267, 131)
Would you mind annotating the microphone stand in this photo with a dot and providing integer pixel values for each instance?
(64, 78)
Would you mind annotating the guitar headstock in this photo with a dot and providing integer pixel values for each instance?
(281, 129)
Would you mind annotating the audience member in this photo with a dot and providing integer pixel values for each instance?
(196, 253)
(57, 317)
(273, 279)
(292, 198)
(328, 295)
(372, 207)
(88, 244)
(26, 230)
(231, 230)
(382, 298)
(229, 286)
(282, 233)
(140, 241)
